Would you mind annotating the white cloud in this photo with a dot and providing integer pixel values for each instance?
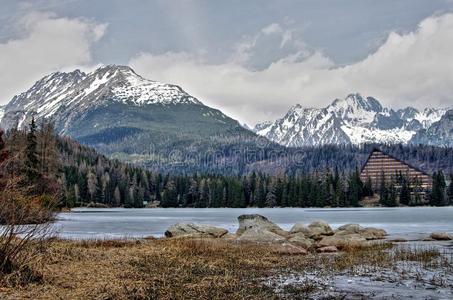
(272, 28)
(48, 44)
(408, 69)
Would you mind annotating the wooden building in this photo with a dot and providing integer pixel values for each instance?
(380, 165)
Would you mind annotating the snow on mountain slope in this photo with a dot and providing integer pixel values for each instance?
(439, 133)
(429, 116)
(293, 129)
(80, 91)
(354, 119)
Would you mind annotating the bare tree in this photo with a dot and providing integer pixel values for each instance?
(24, 226)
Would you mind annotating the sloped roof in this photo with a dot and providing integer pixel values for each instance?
(375, 149)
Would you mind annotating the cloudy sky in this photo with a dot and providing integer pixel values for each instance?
(252, 59)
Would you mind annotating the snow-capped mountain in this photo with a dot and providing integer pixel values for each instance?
(80, 91)
(354, 119)
(119, 112)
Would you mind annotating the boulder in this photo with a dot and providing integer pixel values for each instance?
(299, 239)
(349, 229)
(341, 241)
(441, 236)
(288, 249)
(258, 235)
(369, 233)
(327, 249)
(318, 229)
(300, 228)
(260, 223)
(194, 230)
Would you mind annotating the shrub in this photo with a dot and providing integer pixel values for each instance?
(26, 226)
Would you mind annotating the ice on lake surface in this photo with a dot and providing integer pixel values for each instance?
(86, 223)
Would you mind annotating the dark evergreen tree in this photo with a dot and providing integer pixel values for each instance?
(3, 150)
(392, 196)
(170, 196)
(204, 198)
(383, 191)
(31, 155)
(368, 188)
(261, 194)
(405, 191)
(355, 188)
(450, 191)
(438, 197)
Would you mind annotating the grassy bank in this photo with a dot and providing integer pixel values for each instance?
(193, 269)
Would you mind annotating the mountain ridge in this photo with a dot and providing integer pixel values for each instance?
(113, 104)
(82, 90)
(351, 120)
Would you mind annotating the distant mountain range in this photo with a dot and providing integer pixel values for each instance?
(357, 120)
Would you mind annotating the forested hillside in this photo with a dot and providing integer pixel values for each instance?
(306, 177)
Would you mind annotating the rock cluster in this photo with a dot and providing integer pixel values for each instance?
(254, 228)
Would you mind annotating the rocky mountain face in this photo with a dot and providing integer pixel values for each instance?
(439, 133)
(352, 120)
(77, 92)
(121, 113)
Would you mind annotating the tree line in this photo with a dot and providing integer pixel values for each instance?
(78, 175)
(401, 190)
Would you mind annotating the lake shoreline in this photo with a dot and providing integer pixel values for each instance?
(114, 223)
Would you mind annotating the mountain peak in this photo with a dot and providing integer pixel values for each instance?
(112, 69)
(356, 101)
(122, 83)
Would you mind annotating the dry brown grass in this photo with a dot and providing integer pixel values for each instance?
(184, 269)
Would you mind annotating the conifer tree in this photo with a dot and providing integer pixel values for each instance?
(170, 196)
(271, 198)
(392, 198)
(355, 188)
(204, 194)
(261, 194)
(405, 192)
(383, 191)
(49, 155)
(368, 188)
(437, 197)
(3, 151)
(450, 191)
(31, 158)
(92, 185)
(117, 196)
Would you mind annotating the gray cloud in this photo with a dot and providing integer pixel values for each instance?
(252, 59)
(270, 44)
(49, 44)
(414, 68)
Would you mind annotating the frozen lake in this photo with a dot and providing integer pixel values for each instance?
(86, 223)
